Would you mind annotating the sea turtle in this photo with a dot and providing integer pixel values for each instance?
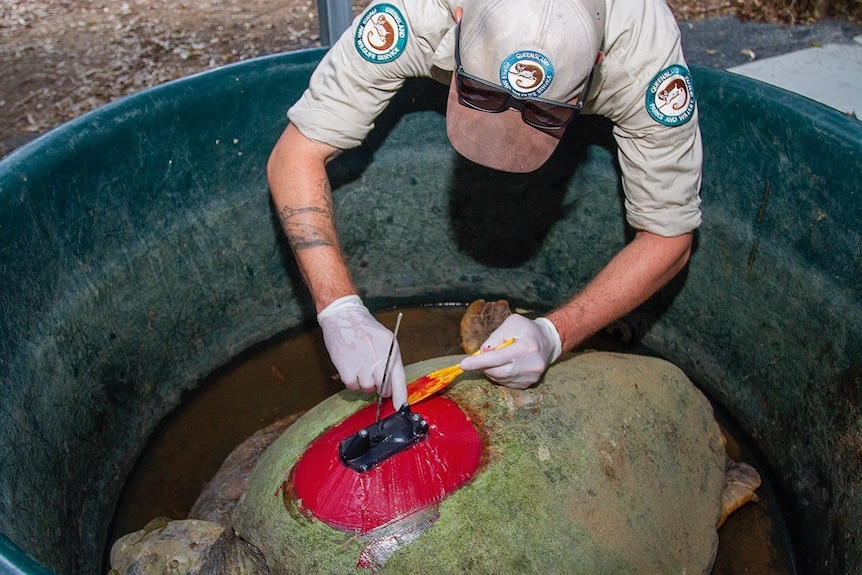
(613, 464)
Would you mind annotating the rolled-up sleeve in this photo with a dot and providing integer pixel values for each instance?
(645, 88)
(661, 171)
(341, 102)
(347, 91)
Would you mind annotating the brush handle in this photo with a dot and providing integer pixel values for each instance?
(506, 343)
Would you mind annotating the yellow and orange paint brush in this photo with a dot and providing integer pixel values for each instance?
(433, 382)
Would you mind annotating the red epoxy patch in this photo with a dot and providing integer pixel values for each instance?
(409, 481)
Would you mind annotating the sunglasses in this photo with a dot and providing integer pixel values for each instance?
(479, 94)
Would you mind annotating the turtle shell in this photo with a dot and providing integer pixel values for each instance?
(613, 463)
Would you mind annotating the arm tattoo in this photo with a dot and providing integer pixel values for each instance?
(303, 234)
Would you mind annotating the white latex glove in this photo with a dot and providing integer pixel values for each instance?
(358, 346)
(520, 365)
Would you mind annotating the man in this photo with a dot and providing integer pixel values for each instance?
(518, 71)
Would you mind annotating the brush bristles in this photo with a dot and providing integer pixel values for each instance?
(431, 383)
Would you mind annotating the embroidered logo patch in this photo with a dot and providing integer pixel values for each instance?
(670, 98)
(381, 35)
(526, 73)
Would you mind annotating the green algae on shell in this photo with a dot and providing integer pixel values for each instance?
(612, 464)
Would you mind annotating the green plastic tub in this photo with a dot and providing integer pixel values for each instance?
(139, 252)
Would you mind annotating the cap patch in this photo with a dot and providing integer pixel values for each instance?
(381, 34)
(526, 73)
(670, 98)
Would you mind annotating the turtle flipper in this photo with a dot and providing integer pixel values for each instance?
(741, 482)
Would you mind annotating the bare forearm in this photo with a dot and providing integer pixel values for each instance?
(303, 200)
(629, 279)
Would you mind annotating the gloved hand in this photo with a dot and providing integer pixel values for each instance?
(358, 346)
(520, 365)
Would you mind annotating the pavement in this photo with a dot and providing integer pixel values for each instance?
(821, 61)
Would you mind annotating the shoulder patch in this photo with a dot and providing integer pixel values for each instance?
(382, 34)
(670, 97)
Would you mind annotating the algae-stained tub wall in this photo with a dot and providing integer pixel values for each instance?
(139, 252)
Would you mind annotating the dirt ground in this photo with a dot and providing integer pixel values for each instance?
(62, 58)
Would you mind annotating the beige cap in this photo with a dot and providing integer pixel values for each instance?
(544, 49)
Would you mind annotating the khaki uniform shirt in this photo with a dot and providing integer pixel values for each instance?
(642, 86)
